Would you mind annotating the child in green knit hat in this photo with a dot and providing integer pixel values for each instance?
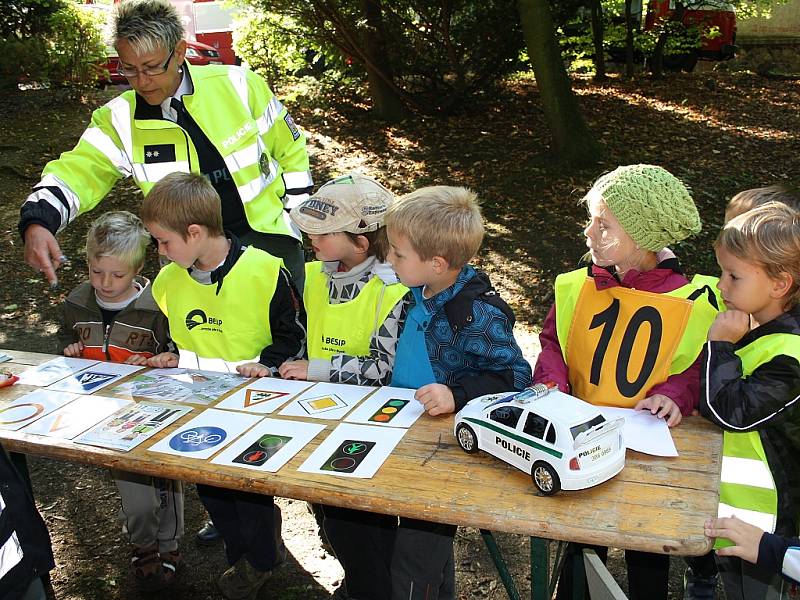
(628, 330)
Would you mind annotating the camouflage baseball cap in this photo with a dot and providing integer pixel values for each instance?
(354, 203)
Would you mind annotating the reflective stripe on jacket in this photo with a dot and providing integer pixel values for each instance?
(260, 144)
(747, 488)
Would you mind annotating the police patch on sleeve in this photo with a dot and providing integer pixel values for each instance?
(159, 153)
(292, 127)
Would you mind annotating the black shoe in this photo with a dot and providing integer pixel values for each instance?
(697, 587)
(208, 535)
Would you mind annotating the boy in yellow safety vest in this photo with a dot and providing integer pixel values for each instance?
(700, 578)
(230, 308)
(355, 311)
(750, 384)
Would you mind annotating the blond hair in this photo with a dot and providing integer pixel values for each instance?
(120, 235)
(148, 25)
(768, 236)
(183, 199)
(439, 221)
(748, 199)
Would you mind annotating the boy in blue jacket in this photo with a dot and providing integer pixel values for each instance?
(457, 344)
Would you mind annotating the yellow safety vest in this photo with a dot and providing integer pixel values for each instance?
(710, 281)
(345, 328)
(747, 489)
(620, 342)
(233, 325)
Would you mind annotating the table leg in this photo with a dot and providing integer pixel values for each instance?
(540, 569)
(502, 569)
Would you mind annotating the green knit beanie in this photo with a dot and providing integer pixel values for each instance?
(651, 204)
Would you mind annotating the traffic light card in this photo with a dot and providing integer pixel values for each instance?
(76, 417)
(28, 408)
(353, 451)
(269, 445)
(264, 395)
(326, 401)
(94, 378)
(388, 407)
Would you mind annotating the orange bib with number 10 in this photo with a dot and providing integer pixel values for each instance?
(621, 343)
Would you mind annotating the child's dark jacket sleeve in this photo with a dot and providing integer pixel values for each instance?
(287, 320)
(778, 554)
(746, 404)
(502, 367)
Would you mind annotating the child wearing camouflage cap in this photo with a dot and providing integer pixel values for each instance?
(628, 330)
(355, 305)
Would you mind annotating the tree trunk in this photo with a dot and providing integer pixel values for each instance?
(386, 103)
(628, 40)
(572, 140)
(597, 37)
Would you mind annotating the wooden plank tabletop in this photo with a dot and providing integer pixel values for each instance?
(655, 504)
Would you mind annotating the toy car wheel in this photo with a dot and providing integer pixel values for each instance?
(545, 478)
(466, 438)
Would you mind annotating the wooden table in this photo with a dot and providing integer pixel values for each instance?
(654, 504)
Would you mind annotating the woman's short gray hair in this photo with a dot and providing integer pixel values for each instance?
(148, 25)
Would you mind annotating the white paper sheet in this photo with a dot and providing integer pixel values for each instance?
(132, 424)
(76, 417)
(327, 401)
(269, 445)
(353, 451)
(264, 395)
(180, 385)
(388, 407)
(54, 369)
(206, 434)
(643, 431)
(30, 407)
(94, 378)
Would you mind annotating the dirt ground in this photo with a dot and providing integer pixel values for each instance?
(719, 132)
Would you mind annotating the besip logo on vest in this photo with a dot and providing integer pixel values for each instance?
(197, 317)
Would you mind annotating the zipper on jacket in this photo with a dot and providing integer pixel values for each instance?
(106, 336)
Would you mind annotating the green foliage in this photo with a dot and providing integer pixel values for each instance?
(266, 42)
(433, 54)
(25, 18)
(22, 59)
(75, 46)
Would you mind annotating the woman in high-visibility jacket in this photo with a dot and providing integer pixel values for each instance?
(750, 384)
(627, 331)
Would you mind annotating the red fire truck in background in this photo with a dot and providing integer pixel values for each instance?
(718, 17)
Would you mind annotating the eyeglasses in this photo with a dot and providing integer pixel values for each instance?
(132, 73)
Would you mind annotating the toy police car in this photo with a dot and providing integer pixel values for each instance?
(563, 442)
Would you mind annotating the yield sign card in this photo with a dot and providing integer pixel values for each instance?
(264, 395)
(268, 445)
(206, 434)
(327, 401)
(353, 451)
(76, 417)
(94, 378)
(53, 370)
(30, 407)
